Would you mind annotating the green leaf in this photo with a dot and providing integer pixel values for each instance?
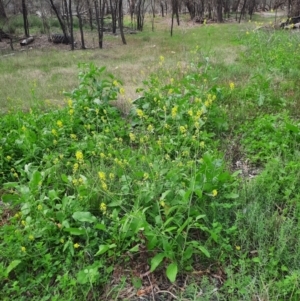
(156, 260)
(100, 227)
(135, 248)
(64, 178)
(172, 270)
(36, 179)
(75, 231)
(104, 248)
(231, 195)
(11, 266)
(256, 259)
(8, 198)
(84, 217)
(201, 248)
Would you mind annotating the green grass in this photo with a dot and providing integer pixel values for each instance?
(98, 189)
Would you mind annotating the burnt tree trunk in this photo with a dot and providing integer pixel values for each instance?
(25, 18)
(219, 11)
(80, 26)
(90, 10)
(71, 24)
(100, 30)
(62, 24)
(113, 8)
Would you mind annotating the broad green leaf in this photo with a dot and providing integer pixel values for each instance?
(202, 249)
(104, 248)
(9, 198)
(64, 178)
(11, 266)
(156, 260)
(135, 248)
(172, 270)
(100, 227)
(84, 217)
(231, 195)
(75, 231)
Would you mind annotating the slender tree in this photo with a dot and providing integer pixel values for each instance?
(71, 24)
(59, 18)
(25, 18)
(120, 20)
(2, 11)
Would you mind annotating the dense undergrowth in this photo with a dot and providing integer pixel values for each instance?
(87, 190)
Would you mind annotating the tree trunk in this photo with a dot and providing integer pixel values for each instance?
(25, 19)
(71, 24)
(90, 15)
(80, 26)
(219, 11)
(121, 21)
(2, 11)
(98, 23)
(62, 24)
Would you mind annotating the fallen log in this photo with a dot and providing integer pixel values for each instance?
(27, 41)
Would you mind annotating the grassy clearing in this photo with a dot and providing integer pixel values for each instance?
(93, 197)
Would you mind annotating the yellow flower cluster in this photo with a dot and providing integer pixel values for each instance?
(174, 111)
(59, 123)
(132, 137)
(79, 156)
(140, 113)
(103, 208)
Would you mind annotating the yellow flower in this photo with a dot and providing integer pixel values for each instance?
(162, 59)
(59, 123)
(214, 192)
(23, 128)
(71, 112)
(182, 129)
(111, 176)
(76, 246)
(8, 158)
(231, 86)
(103, 207)
(140, 113)
(237, 248)
(162, 203)
(31, 237)
(174, 111)
(132, 137)
(150, 128)
(23, 223)
(102, 155)
(102, 175)
(54, 132)
(146, 176)
(23, 249)
(75, 167)
(79, 156)
(70, 103)
(73, 136)
(104, 185)
(122, 91)
(39, 207)
(202, 144)
(115, 83)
